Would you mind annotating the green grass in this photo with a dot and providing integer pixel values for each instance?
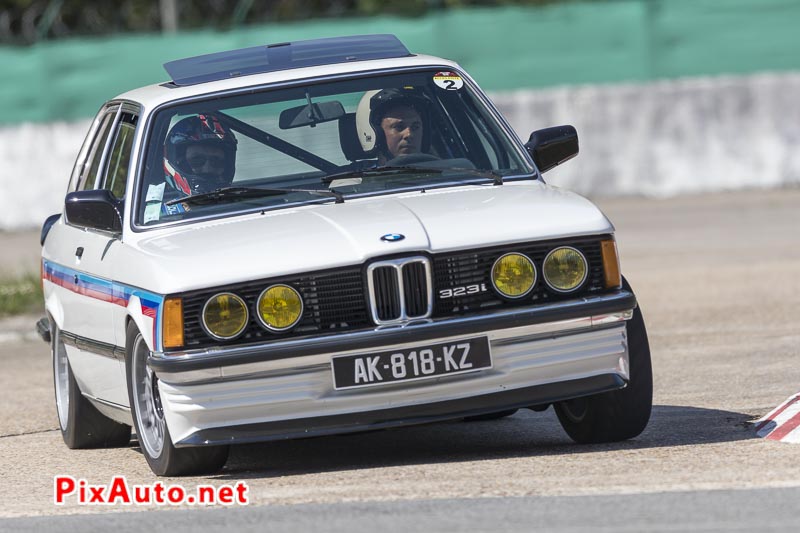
(20, 295)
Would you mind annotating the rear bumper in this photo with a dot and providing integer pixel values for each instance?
(285, 390)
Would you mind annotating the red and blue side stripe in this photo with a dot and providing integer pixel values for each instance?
(107, 291)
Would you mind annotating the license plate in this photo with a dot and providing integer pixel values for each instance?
(420, 362)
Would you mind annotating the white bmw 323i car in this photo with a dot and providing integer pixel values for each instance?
(324, 237)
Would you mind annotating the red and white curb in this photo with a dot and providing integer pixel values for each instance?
(782, 423)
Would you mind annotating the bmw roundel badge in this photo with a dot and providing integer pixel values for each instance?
(393, 237)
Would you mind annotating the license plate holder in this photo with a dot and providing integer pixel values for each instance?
(425, 361)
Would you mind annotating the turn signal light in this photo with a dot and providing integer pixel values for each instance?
(613, 278)
(173, 323)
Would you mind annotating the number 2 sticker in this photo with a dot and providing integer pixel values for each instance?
(449, 81)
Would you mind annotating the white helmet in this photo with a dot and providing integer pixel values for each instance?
(372, 107)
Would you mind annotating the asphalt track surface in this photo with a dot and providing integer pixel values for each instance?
(717, 279)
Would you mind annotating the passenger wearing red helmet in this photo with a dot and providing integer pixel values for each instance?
(199, 155)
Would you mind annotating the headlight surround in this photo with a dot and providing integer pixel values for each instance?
(279, 307)
(513, 275)
(225, 316)
(565, 269)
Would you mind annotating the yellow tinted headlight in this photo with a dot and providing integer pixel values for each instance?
(513, 275)
(225, 316)
(565, 269)
(279, 307)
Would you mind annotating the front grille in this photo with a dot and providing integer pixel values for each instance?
(396, 291)
(399, 289)
(333, 301)
(465, 269)
(415, 289)
(387, 293)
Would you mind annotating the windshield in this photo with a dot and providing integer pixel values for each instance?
(322, 142)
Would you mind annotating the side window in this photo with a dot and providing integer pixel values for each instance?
(95, 156)
(119, 156)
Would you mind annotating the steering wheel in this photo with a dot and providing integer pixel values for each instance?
(411, 159)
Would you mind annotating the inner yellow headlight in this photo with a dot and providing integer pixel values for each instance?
(279, 307)
(565, 269)
(225, 316)
(513, 275)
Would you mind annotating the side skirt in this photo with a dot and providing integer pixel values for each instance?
(95, 347)
(114, 411)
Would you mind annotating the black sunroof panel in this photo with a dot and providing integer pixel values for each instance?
(283, 56)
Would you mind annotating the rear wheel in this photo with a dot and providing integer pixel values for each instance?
(620, 414)
(81, 424)
(151, 427)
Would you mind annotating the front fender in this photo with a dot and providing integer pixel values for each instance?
(54, 308)
(146, 320)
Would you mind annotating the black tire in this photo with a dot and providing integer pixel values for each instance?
(621, 414)
(151, 427)
(490, 416)
(81, 424)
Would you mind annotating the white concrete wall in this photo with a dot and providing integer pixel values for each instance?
(657, 139)
(671, 137)
(37, 160)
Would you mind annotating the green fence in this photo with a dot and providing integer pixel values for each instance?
(503, 48)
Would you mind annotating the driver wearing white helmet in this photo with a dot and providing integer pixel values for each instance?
(391, 125)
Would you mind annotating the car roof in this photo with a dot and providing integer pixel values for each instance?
(283, 56)
(191, 73)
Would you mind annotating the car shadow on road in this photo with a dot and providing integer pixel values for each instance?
(525, 434)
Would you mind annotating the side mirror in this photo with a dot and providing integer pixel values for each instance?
(97, 209)
(48, 223)
(552, 146)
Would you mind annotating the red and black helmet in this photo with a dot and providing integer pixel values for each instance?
(204, 129)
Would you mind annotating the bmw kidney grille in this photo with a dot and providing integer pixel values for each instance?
(400, 290)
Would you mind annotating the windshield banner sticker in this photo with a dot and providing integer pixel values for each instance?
(449, 81)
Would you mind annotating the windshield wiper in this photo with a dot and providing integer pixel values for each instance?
(236, 193)
(380, 171)
(488, 174)
(394, 171)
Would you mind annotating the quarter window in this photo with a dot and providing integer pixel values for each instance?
(120, 156)
(95, 157)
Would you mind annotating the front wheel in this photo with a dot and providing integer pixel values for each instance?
(151, 427)
(81, 424)
(620, 414)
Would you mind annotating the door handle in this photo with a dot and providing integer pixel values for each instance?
(79, 252)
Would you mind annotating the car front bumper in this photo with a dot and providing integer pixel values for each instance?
(285, 389)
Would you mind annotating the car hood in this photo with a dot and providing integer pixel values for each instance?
(318, 237)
